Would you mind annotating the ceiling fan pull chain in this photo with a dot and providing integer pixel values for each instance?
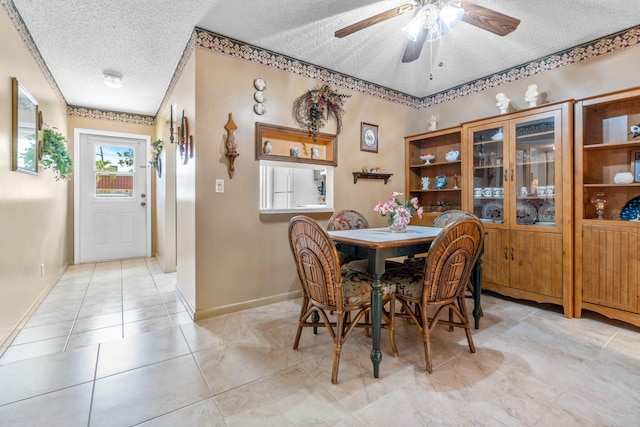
(430, 60)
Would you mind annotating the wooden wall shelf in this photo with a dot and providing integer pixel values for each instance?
(371, 175)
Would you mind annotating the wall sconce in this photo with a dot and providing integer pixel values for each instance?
(231, 144)
(185, 141)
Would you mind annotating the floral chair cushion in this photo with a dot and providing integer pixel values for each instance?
(409, 281)
(356, 287)
(347, 220)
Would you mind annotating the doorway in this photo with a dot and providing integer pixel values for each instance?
(111, 196)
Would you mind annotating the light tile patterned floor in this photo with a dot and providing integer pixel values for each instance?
(112, 346)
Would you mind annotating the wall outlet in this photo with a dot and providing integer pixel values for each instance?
(219, 185)
(41, 270)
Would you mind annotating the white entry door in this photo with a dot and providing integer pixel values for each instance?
(112, 203)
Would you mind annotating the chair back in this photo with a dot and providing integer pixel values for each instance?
(451, 258)
(450, 216)
(347, 220)
(317, 262)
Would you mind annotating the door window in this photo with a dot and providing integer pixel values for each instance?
(114, 171)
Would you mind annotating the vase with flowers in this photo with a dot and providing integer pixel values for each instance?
(400, 213)
(634, 131)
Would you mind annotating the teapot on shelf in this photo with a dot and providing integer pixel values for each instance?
(452, 155)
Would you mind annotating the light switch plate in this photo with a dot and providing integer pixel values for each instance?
(219, 185)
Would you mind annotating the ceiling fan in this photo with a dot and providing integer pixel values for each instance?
(434, 18)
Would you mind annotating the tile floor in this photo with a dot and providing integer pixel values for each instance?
(113, 346)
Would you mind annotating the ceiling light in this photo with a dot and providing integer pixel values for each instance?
(437, 17)
(113, 79)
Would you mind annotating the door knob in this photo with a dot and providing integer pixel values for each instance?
(143, 204)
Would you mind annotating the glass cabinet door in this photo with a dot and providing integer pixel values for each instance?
(534, 177)
(489, 154)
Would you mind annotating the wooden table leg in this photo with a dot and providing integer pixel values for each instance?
(376, 323)
(477, 291)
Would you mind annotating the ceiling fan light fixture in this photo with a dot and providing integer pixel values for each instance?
(437, 17)
(414, 26)
(451, 14)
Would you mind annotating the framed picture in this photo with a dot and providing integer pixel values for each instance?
(369, 138)
(636, 166)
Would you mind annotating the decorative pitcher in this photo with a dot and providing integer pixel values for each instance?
(452, 155)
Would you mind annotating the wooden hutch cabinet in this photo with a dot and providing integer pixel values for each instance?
(518, 180)
(437, 143)
(607, 159)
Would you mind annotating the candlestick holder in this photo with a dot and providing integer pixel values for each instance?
(181, 135)
(599, 201)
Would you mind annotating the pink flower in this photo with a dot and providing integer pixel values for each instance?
(399, 213)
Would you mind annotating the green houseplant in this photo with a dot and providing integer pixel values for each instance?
(55, 155)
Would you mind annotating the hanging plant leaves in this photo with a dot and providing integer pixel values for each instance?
(55, 154)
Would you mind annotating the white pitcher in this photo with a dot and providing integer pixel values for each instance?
(452, 155)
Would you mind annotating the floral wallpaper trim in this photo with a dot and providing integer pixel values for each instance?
(227, 46)
(237, 49)
(613, 43)
(110, 115)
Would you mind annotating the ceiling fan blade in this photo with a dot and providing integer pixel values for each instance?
(414, 48)
(488, 19)
(375, 19)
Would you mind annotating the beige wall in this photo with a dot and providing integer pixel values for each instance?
(242, 257)
(183, 95)
(35, 216)
(164, 202)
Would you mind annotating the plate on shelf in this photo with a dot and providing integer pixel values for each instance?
(493, 211)
(631, 209)
(547, 223)
(547, 212)
(525, 213)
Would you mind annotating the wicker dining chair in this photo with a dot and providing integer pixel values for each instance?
(328, 288)
(442, 283)
(450, 216)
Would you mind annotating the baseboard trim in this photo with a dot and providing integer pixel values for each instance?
(217, 311)
(6, 341)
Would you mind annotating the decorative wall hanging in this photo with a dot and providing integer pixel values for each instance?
(155, 161)
(259, 96)
(313, 109)
(231, 144)
(185, 141)
(368, 137)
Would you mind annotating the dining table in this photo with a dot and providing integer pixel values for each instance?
(378, 244)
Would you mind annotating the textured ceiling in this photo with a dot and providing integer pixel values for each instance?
(144, 40)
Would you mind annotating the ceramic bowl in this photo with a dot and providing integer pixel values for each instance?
(428, 158)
